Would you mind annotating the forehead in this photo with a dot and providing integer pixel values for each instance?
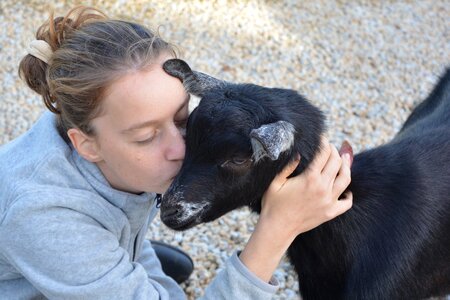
(219, 127)
(228, 108)
(142, 95)
(222, 118)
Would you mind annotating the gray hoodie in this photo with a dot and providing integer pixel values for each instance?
(65, 233)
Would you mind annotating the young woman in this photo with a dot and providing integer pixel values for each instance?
(78, 189)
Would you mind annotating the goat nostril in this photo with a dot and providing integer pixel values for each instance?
(169, 212)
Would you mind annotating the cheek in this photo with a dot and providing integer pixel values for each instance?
(127, 160)
(149, 164)
(145, 161)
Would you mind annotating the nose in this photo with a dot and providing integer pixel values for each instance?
(169, 212)
(177, 147)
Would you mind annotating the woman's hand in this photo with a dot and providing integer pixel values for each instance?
(295, 205)
(298, 204)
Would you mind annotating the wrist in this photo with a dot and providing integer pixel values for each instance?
(281, 231)
(264, 250)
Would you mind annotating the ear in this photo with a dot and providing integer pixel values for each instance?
(272, 139)
(194, 82)
(85, 145)
(178, 68)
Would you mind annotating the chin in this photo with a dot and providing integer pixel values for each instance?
(181, 226)
(164, 188)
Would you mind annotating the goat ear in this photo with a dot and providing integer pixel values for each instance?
(194, 82)
(177, 68)
(272, 139)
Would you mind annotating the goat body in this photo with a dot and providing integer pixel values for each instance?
(395, 241)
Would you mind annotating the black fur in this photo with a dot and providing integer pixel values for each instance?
(395, 241)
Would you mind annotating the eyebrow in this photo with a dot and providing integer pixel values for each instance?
(151, 122)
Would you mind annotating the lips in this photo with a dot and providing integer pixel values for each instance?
(180, 226)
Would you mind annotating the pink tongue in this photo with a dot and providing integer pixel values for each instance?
(347, 148)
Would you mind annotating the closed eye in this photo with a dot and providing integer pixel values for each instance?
(237, 163)
(146, 141)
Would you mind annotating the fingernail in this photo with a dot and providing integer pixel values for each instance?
(346, 156)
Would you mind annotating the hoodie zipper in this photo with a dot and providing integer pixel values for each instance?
(158, 199)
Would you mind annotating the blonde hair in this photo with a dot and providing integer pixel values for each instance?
(90, 51)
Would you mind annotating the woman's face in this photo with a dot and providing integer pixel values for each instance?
(140, 131)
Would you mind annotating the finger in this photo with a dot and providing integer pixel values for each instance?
(343, 179)
(281, 177)
(347, 148)
(344, 204)
(332, 166)
(322, 157)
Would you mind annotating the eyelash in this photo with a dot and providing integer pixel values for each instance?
(182, 124)
(145, 142)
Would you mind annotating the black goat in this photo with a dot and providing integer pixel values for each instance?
(395, 241)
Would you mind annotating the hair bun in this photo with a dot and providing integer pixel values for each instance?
(40, 49)
(49, 37)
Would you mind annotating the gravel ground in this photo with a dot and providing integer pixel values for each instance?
(366, 64)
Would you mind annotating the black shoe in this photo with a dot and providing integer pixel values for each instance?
(175, 262)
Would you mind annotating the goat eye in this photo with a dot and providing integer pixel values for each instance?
(236, 163)
(239, 161)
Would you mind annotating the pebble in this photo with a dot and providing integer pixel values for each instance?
(366, 64)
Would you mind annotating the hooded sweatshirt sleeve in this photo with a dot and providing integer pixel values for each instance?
(235, 281)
